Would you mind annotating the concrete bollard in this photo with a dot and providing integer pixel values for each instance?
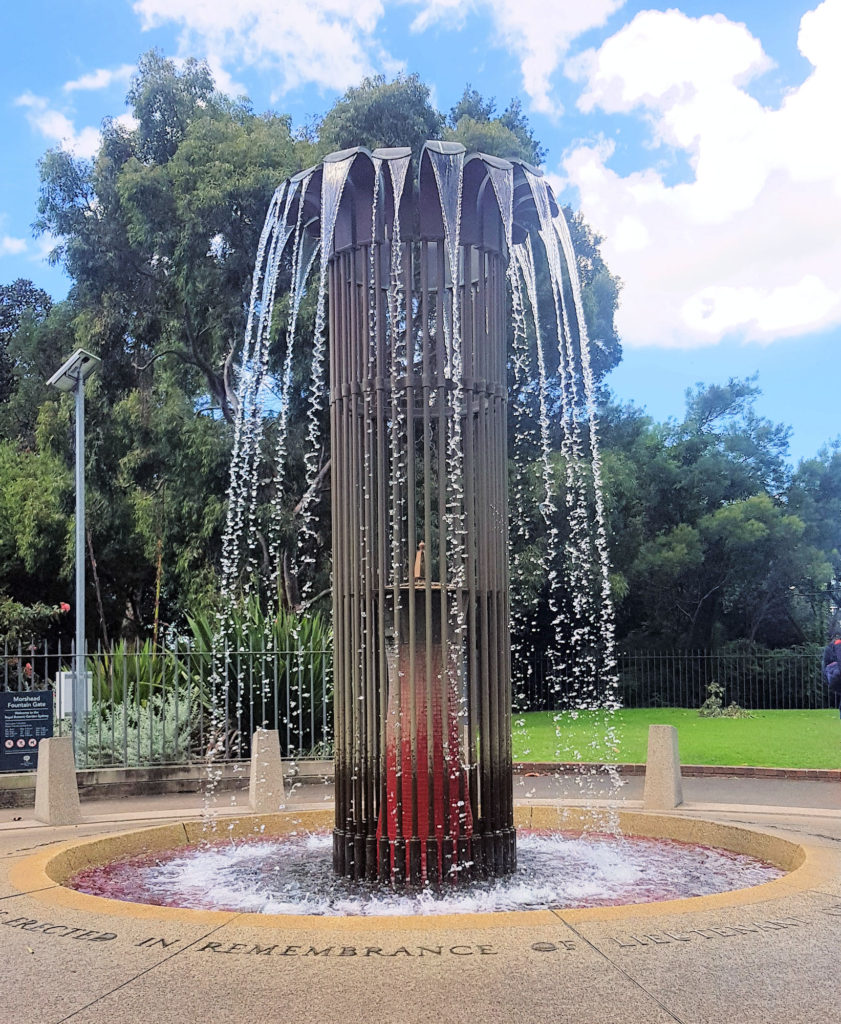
(56, 792)
(663, 789)
(265, 787)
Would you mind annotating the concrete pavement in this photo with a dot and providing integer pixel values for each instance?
(765, 955)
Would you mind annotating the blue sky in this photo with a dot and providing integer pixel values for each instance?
(699, 138)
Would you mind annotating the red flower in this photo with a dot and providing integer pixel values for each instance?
(27, 670)
(64, 606)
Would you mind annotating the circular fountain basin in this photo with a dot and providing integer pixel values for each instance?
(280, 865)
(293, 875)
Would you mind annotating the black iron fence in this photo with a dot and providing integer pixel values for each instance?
(143, 706)
(149, 706)
(752, 677)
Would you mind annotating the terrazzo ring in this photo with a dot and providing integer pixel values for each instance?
(49, 870)
(762, 954)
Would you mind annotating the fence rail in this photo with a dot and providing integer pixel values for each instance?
(754, 678)
(170, 706)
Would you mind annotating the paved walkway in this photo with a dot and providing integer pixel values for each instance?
(726, 795)
(753, 957)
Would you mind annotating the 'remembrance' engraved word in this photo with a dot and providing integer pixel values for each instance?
(250, 949)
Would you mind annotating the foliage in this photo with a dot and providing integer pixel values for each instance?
(472, 123)
(713, 538)
(27, 624)
(713, 705)
(379, 113)
(21, 304)
(164, 729)
(704, 526)
(246, 626)
(34, 498)
(131, 673)
(814, 495)
(158, 234)
(271, 656)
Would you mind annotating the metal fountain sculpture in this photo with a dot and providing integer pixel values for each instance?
(417, 271)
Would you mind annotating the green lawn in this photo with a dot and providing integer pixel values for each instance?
(777, 739)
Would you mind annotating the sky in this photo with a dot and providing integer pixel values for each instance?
(699, 138)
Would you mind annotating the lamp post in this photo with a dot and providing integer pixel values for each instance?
(71, 376)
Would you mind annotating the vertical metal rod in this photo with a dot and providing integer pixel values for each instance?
(427, 343)
(176, 680)
(79, 688)
(381, 496)
(353, 511)
(367, 375)
(339, 746)
(443, 553)
(409, 393)
(471, 312)
(396, 681)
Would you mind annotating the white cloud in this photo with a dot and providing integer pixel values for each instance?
(332, 43)
(102, 78)
(539, 33)
(222, 78)
(127, 121)
(750, 244)
(452, 12)
(57, 127)
(328, 42)
(44, 245)
(10, 246)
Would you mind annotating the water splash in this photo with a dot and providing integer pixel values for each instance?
(292, 876)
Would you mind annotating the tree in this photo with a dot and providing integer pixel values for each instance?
(20, 303)
(709, 541)
(36, 539)
(734, 574)
(159, 232)
(378, 113)
(165, 101)
(814, 494)
(471, 122)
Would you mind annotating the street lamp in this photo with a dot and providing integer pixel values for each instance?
(71, 377)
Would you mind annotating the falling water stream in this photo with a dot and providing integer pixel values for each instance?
(550, 367)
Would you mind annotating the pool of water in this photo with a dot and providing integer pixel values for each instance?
(293, 875)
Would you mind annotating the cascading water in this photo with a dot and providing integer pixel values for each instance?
(417, 409)
(419, 464)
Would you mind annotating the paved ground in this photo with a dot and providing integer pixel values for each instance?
(770, 961)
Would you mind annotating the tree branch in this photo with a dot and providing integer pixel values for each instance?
(316, 484)
(159, 355)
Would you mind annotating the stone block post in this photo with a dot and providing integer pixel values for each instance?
(265, 788)
(663, 790)
(56, 792)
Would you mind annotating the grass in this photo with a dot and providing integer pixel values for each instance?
(775, 739)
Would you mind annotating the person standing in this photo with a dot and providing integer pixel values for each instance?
(831, 666)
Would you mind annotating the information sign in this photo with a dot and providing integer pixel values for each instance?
(25, 719)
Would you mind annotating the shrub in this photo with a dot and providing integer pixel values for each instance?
(165, 729)
(712, 706)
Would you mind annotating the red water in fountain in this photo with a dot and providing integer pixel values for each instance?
(408, 811)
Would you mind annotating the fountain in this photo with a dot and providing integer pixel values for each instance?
(417, 272)
(246, 914)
